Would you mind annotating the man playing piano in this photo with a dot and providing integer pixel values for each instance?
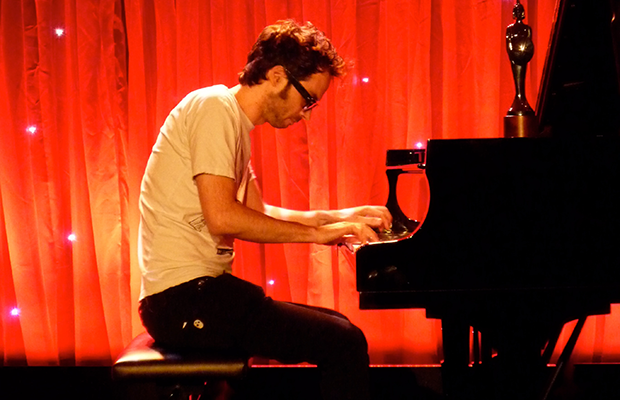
(198, 194)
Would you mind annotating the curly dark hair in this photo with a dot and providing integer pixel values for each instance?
(302, 49)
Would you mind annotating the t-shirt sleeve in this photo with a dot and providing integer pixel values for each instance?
(212, 138)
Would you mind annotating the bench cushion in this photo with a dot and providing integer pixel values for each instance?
(143, 359)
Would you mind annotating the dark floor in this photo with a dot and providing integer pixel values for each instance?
(589, 382)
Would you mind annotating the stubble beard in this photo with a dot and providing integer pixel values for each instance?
(274, 108)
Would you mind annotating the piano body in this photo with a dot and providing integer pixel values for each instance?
(522, 235)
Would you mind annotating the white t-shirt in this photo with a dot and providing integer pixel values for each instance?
(207, 132)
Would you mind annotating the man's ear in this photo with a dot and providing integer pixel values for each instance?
(277, 77)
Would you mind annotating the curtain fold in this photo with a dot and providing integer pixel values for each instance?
(64, 182)
(85, 86)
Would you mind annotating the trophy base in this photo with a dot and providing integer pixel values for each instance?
(520, 126)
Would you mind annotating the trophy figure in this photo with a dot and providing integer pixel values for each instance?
(520, 120)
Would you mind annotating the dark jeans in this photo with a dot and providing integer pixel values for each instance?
(229, 313)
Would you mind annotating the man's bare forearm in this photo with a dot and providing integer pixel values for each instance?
(309, 218)
(374, 216)
(225, 216)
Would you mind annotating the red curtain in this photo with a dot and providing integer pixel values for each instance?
(85, 85)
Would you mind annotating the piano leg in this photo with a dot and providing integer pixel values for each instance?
(515, 373)
(455, 366)
(517, 329)
(564, 357)
(518, 370)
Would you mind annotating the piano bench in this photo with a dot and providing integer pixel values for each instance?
(145, 370)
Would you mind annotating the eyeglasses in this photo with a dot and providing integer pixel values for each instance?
(311, 101)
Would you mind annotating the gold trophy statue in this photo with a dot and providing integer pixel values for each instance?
(520, 120)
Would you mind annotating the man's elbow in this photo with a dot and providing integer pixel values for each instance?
(218, 225)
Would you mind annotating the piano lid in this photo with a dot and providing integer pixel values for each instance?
(579, 92)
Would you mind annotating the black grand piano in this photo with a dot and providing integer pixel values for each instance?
(522, 235)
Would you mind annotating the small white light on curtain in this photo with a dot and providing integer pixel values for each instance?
(15, 312)
(32, 129)
(271, 282)
(419, 145)
(72, 237)
(59, 32)
(365, 79)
